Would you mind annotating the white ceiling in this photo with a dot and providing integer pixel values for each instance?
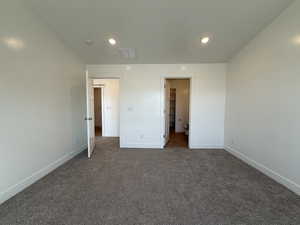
(161, 31)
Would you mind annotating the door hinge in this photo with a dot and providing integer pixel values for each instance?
(164, 136)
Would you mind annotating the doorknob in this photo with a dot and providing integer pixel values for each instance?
(88, 118)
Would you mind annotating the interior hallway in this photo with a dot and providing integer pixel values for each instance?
(119, 186)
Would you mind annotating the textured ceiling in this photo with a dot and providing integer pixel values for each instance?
(161, 31)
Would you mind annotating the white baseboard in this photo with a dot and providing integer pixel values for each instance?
(161, 146)
(140, 145)
(293, 186)
(206, 147)
(13, 190)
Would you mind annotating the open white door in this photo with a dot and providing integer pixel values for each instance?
(90, 115)
(167, 111)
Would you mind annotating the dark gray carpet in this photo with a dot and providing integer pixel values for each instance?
(153, 187)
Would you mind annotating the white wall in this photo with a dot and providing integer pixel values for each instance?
(42, 95)
(182, 103)
(263, 101)
(141, 94)
(111, 110)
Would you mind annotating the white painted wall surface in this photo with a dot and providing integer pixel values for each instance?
(141, 94)
(111, 107)
(263, 101)
(42, 95)
(182, 103)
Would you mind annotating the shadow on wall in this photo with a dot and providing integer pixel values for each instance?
(78, 100)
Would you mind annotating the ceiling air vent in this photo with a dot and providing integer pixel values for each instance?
(127, 53)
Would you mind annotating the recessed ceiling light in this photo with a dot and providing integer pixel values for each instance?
(205, 40)
(14, 43)
(296, 40)
(112, 41)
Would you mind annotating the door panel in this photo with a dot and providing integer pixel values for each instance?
(167, 111)
(90, 115)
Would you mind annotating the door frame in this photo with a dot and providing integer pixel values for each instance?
(101, 87)
(102, 110)
(103, 100)
(163, 128)
(166, 109)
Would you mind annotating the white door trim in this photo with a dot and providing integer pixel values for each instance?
(102, 110)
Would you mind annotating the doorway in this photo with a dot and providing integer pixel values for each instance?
(177, 112)
(102, 110)
(106, 99)
(98, 105)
